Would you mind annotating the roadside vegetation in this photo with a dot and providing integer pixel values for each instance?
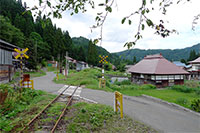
(185, 95)
(87, 118)
(38, 73)
(20, 105)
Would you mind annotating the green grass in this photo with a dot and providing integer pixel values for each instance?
(51, 69)
(36, 74)
(167, 95)
(20, 107)
(89, 78)
(84, 117)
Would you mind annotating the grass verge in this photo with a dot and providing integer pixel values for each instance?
(85, 117)
(36, 74)
(20, 107)
(89, 78)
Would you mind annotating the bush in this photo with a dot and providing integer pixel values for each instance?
(182, 88)
(197, 92)
(44, 63)
(147, 87)
(4, 87)
(126, 82)
(182, 101)
(195, 105)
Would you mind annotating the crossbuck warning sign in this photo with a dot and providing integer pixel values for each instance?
(119, 103)
(21, 53)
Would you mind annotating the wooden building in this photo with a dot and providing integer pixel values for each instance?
(155, 69)
(195, 69)
(6, 65)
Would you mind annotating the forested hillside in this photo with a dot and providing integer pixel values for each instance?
(44, 39)
(83, 42)
(188, 53)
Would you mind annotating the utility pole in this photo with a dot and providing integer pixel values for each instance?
(67, 65)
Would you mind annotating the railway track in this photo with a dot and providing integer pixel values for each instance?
(70, 98)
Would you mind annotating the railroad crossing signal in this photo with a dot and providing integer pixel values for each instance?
(103, 59)
(21, 53)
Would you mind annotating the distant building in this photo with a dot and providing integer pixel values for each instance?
(127, 67)
(155, 69)
(195, 69)
(80, 65)
(6, 65)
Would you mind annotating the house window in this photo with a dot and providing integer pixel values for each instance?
(177, 77)
(158, 77)
(171, 76)
(165, 77)
(152, 77)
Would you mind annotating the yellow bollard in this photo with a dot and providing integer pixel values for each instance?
(119, 103)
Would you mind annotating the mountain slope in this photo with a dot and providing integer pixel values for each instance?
(172, 55)
(81, 41)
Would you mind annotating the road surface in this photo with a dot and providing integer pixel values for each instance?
(159, 116)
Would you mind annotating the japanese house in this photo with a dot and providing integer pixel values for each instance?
(195, 69)
(155, 69)
(6, 65)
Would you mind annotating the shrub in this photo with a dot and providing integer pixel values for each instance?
(4, 87)
(195, 105)
(197, 92)
(182, 101)
(147, 87)
(43, 63)
(182, 88)
(126, 82)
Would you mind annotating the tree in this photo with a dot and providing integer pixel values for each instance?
(145, 21)
(134, 60)
(92, 54)
(193, 55)
(183, 61)
(10, 33)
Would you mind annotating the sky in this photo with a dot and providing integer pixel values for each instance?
(115, 34)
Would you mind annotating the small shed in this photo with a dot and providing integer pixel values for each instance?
(80, 65)
(6, 65)
(155, 69)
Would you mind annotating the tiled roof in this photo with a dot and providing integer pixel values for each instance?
(156, 64)
(195, 61)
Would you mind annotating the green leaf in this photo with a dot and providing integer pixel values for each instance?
(106, 1)
(49, 4)
(143, 11)
(129, 22)
(108, 8)
(102, 4)
(76, 10)
(143, 27)
(123, 20)
(149, 22)
(144, 2)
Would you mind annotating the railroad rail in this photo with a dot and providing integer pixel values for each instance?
(61, 115)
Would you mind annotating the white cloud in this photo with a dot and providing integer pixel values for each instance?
(115, 35)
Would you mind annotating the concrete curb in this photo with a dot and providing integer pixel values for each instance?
(170, 104)
(89, 100)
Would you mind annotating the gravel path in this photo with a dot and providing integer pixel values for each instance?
(159, 116)
(46, 83)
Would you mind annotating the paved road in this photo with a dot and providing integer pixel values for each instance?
(46, 83)
(161, 117)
